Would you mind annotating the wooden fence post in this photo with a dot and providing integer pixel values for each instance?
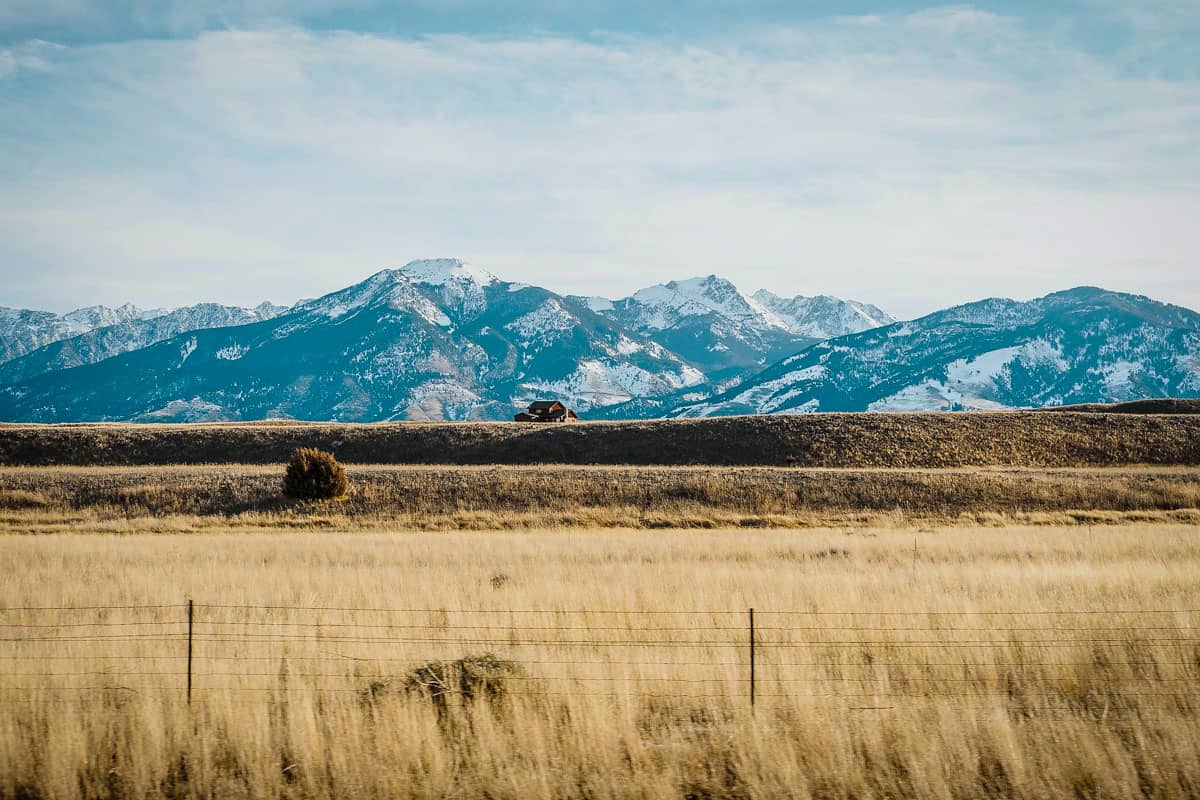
(189, 666)
(752, 660)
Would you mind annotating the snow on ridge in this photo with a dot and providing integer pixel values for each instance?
(596, 383)
(627, 346)
(389, 286)
(548, 318)
(933, 395)
(194, 410)
(665, 303)
(968, 382)
(440, 271)
(985, 368)
(598, 304)
(823, 316)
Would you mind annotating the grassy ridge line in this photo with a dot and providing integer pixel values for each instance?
(819, 440)
(523, 497)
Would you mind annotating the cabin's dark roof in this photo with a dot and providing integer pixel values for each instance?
(544, 405)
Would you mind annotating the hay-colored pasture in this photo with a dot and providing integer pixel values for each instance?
(949, 669)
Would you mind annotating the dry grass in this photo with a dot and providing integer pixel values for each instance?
(1011, 438)
(931, 680)
(493, 498)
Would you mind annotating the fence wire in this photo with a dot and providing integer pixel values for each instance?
(1067, 657)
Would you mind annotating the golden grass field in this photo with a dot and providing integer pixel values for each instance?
(956, 662)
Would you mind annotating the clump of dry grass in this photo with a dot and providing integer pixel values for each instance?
(482, 677)
(908, 664)
(314, 475)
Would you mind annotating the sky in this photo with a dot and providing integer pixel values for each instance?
(910, 155)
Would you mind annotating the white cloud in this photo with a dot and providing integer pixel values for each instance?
(893, 168)
(957, 19)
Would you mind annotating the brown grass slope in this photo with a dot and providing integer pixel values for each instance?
(1157, 405)
(820, 440)
(636, 497)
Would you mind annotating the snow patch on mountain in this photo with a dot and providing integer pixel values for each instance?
(186, 351)
(663, 305)
(933, 395)
(974, 383)
(442, 271)
(194, 410)
(766, 396)
(602, 383)
(441, 399)
(1118, 376)
(232, 352)
(389, 288)
(548, 322)
(627, 346)
(822, 316)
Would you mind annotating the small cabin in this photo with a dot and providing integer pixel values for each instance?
(546, 411)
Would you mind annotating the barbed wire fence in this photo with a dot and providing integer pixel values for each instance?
(51, 654)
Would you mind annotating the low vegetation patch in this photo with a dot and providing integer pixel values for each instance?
(482, 677)
(314, 475)
(497, 498)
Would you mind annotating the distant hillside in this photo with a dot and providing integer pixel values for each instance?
(91, 334)
(1158, 405)
(1085, 345)
(1017, 438)
(130, 334)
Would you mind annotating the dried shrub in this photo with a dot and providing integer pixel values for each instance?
(314, 475)
(478, 677)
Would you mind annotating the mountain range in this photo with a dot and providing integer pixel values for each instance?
(1085, 345)
(445, 339)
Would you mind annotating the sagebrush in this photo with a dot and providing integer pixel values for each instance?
(313, 474)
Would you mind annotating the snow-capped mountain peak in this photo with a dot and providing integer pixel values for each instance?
(718, 328)
(390, 287)
(440, 271)
(664, 304)
(822, 316)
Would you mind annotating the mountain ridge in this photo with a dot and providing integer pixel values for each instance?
(436, 339)
(446, 339)
(1079, 345)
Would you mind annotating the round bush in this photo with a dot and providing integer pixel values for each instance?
(314, 475)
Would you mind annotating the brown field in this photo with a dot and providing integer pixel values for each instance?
(955, 663)
(415, 497)
(1022, 626)
(1011, 438)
